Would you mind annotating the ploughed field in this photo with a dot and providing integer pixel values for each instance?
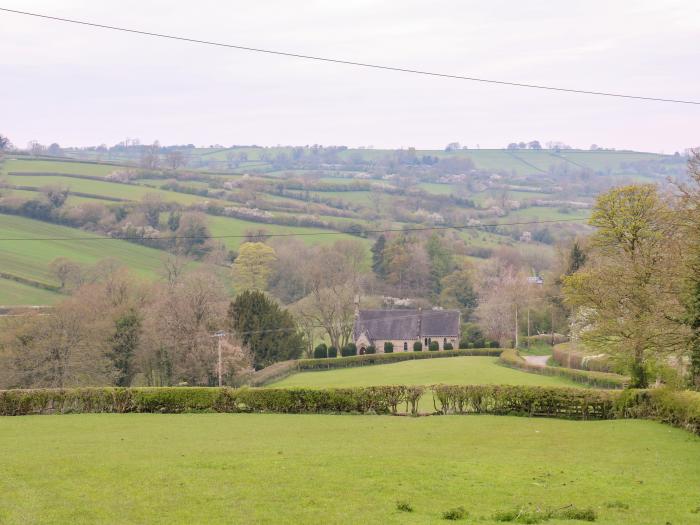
(273, 468)
(448, 370)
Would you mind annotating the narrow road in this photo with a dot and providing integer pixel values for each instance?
(537, 360)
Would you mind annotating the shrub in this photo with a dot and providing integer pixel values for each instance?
(434, 346)
(348, 350)
(332, 351)
(472, 333)
(371, 349)
(458, 513)
(417, 346)
(404, 506)
(492, 344)
(388, 347)
(321, 351)
(448, 346)
(566, 403)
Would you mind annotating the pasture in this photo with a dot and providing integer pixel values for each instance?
(449, 370)
(272, 468)
(30, 259)
(13, 293)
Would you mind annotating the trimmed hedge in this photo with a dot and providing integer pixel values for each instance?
(677, 408)
(680, 408)
(512, 359)
(568, 403)
(565, 355)
(175, 400)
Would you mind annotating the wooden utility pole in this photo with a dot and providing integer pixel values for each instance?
(516, 326)
(219, 367)
(528, 326)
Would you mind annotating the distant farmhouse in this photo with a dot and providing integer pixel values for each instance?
(403, 328)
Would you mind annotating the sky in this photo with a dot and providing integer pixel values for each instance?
(80, 86)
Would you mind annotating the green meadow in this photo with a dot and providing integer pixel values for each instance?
(274, 468)
(30, 259)
(13, 293)
(448, 370)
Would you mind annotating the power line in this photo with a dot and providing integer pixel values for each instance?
(291, 234)
(350, 62)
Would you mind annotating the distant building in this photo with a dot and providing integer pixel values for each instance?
(535, 279)
(526, 236)
(405, 327)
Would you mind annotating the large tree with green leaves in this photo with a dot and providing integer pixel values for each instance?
(623, 288)
(266, 329)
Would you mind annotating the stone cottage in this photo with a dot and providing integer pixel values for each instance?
(404, 327)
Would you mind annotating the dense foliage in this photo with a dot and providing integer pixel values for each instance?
(268, 330)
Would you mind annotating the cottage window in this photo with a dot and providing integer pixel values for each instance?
(405, 346)
(444, 342)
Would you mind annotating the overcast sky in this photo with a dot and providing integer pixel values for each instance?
(82, 86)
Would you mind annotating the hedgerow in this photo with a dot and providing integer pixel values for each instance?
(377, 359)
(566, 356)
(677, 408)
(511, 358)
(567, 403)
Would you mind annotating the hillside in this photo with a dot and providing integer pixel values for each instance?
(312, 191)
(28, 261)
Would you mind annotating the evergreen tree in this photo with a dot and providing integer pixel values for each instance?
(577, 258)
(378, 265)
(268, 330)
(125, 341)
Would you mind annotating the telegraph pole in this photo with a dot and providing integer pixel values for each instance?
(516, 326)
(219, 369)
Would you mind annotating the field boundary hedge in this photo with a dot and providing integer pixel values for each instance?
(284, 369)
(677, 408)
(566, 356)
(511, 358)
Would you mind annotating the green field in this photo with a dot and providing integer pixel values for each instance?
(232, 226)
(30, 259)
(132, 192)
(448, 370)
(13, 293)
(51, 166)
(254, 468)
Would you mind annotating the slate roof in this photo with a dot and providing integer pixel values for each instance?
(406, 324)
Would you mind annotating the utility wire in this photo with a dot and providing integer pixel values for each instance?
(350, 62)
(291, 234)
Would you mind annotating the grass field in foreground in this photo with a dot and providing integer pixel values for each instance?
(273, 468)
(448, 370)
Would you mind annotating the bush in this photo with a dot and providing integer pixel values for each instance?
(348, 350)
(417, 346)
(321, 351)
(388, 347)
(492, 344)
(512, 359)
(559, 402)
(448, 346)
(566, 356)
(404, 506)
(434, 346)
(371, 349)
(458, 513)
(332, 351)
(472, 334)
